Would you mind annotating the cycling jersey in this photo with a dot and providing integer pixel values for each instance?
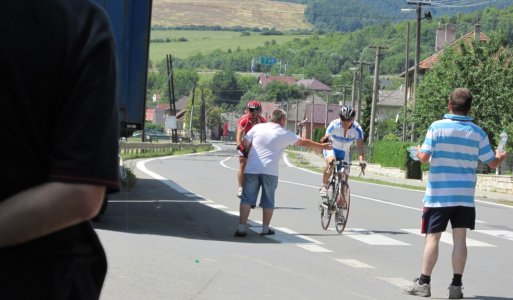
(342, 139)
(245, 123)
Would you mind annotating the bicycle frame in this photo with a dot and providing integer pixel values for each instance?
(336, 187)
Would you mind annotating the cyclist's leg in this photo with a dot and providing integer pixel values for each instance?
(345, 177)
(329, 156)
(240, 173)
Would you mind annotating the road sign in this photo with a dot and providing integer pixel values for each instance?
(267, 60)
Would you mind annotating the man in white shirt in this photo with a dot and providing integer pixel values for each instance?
(266, 143)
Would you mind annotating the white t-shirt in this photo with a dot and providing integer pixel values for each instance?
(268, 141)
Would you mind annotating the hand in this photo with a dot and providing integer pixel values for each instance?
(363, 164)
(327, 146)
(240, 148)
(324, 139)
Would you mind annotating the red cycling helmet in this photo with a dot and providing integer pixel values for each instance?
(253, 104)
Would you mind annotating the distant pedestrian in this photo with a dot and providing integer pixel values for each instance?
(453, 147)
(266, 143)
(244, 125)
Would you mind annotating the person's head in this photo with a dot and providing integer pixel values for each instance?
(460, 101)
(346, 115)
(279, 116)
(254, 107)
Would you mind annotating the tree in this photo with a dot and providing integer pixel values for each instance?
(485, 69)
(213, 111)
(225, 88)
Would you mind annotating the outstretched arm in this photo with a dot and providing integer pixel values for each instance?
(311, 144)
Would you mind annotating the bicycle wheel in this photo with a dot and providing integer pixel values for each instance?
(327, 205)
(342, 214)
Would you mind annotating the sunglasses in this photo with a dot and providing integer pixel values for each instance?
(252, 109)
(346, 120)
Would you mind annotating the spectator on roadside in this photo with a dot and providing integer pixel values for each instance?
(266, 143)
(58, 85)
(244, 125)
(453, 147)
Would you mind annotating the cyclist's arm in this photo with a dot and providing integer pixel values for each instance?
(245, 143)
(361, 150)
(239, 135)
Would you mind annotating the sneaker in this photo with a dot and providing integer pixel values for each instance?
(422, 290)
(269, 232)
(239, 192)
(341, 219)
(324, 191)
(240, 233)
(455, 292)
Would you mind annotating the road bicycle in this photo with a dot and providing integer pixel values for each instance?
(337, 187)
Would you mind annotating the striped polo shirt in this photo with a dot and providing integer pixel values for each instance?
(455, 145)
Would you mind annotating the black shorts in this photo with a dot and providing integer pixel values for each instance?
(435, 219)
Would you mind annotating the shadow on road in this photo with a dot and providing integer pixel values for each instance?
(152, 207)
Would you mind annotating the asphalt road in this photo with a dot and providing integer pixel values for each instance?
(171, 237)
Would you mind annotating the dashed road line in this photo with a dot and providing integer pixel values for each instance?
(447, 238)
(353, 263)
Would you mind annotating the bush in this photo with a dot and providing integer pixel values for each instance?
(395, 154)
(318, 134)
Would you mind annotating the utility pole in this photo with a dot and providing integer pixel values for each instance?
(375, 90)
(172, 100)
(344, 94)
(312, 117)
(360, 88)
(327, 108)
(417, 58)
(192, 109)
(406, 79)
(353, 91)
(203, 132)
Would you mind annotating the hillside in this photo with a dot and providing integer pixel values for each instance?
(230, 13)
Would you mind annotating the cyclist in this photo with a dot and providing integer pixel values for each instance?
(343, 132)
(244, 125)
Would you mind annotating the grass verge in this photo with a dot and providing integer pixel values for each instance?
(299, 161)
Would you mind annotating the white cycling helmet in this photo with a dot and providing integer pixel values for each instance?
(347, 113)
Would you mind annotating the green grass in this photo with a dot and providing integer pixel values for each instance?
(298, 160)
(206, 41)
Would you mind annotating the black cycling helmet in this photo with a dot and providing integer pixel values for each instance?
(347, 113)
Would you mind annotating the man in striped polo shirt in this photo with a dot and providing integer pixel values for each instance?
(453, 147)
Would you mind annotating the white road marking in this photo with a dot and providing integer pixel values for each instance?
(353, 263)
(314, 248)
(397, 281)
(447, 238)
(372, 238)
(216, 206)
(293, 233)
(155, 201)
(505, 234)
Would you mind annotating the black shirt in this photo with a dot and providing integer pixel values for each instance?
(57, 109)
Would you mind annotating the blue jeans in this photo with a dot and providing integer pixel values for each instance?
(252, 184)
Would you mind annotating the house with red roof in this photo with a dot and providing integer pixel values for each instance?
(430, 62)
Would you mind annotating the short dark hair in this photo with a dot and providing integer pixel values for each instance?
(461, 100)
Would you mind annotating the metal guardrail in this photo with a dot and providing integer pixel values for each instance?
(143, 147)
